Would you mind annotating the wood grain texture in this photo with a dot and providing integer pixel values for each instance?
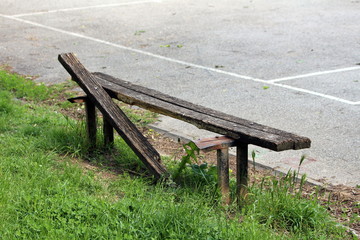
(242, 161)
(215, 143)
(223, 174)
(108, 132)
(240, 129)
(91, 123)
(118, 120)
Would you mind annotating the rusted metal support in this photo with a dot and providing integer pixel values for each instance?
(108, 131)
(241, 171)
(223, 174)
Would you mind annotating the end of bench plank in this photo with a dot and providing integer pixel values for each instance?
(302, 142)
(80, 99)
(215, 143)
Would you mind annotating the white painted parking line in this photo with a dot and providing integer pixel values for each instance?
(314, 74)
(133, 49)
(181, 62)
(316, 93)
(87, 7)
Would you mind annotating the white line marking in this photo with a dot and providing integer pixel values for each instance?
(84, 8)
(134, 50)
(315, 93)
(314, 74)
(181, 62)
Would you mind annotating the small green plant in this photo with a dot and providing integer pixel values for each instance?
(189, 167)
(253, 155)
(139, 32)
(191, 151)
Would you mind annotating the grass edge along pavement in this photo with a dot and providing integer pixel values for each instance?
(43, 194)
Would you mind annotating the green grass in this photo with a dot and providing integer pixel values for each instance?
(44, 195)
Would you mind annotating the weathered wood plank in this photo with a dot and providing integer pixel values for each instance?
(239, 131)
(91, 127)
(108, 132)
(91, 121)
(79, 99)
(241, 170)
(215, 143)
(291, 141)
(223, 174)
(113, 114)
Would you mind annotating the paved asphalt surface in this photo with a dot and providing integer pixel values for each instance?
(288, 64)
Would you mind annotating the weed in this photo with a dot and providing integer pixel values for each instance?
(191, 151)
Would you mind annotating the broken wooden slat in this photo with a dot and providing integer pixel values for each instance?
(138, 143)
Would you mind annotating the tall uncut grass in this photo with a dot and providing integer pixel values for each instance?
(44, 195)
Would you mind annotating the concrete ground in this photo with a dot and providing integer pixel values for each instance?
(288, 64)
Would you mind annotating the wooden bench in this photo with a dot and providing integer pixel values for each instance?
(100, 88)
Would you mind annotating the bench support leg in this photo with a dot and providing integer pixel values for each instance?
(223, 174)
(241, 171)
(91, 123)
(108, 131)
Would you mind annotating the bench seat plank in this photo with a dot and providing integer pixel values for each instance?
(243, 130)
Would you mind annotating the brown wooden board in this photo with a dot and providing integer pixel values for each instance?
(223, 174)
(243, 130)
(215, 143)
(113, 114)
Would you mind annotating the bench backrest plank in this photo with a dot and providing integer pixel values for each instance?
(127, 130)
(243, 130)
